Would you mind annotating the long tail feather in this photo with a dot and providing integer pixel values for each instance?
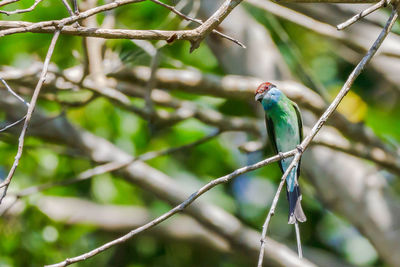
(296, 213)
(299, 249)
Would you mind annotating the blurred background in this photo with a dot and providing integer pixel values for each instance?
(107, 101)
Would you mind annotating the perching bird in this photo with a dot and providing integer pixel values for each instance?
(285, 131)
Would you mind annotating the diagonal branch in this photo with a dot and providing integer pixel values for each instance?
(6, 2)
(18, 11)
(329, 111)
(198, 21)
(175, 210)
(29, 113)
(362, 14)
(58, 23)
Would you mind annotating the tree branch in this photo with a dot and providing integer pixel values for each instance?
(18, 11)
(6, 2)
(359, 16)
(321, 121)
(29, 113)
(175, 210)
(195, 36)
(328, 1)
(166, 188)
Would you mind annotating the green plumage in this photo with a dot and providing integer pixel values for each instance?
(285, 131)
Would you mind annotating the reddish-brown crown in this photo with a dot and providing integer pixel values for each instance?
(264, 87)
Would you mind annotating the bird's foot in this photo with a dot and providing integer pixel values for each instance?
(280, 154)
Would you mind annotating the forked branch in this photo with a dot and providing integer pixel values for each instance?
(321, 121)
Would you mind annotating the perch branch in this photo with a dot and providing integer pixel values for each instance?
(177, 209)
(321, 121)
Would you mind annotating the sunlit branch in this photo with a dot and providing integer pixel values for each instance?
(362, 14)
(18, 11)
(29, 113)
(175, 210)
(321, 121)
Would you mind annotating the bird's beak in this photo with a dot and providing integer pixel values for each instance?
(259, 97)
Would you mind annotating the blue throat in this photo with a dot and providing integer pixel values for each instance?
(271, 98)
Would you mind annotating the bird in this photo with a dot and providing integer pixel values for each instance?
(285, 132)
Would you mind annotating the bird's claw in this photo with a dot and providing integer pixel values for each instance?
(280, 154)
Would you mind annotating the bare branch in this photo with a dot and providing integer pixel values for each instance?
(195, 36)
(12, 124)
(362, 14)
(321, 121)
(6, 2)
(177, 209)
(198, 21)
(59, 23)
(67, 6)
(328, 1)
(29, 113)
(166, 188)
(13, 93)
(18, 11)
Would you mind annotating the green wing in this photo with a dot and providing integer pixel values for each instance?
(299, 120)
(272, 137)
(300, 123)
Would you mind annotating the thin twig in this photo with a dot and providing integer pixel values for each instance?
(321, 121)
(328, 1)
(18, 11)
(76, 7)
(29, 113)
(13, 93)
(362, 14)
(59, 23)
(6, 2)
(195, 36)
(20, 99)
(175, 210)
(198, 21)
(273, 206)
(12, 124)
(67, 6)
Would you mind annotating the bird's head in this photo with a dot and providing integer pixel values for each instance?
(262, 90)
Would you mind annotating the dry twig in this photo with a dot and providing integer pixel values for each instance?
(362, 14)
(177, 209)
(18, 11)
(29, 113)
(332, 107)
(198, 21)
(6, 2)
(195, 36)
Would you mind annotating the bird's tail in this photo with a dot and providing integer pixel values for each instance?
(296, 212)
